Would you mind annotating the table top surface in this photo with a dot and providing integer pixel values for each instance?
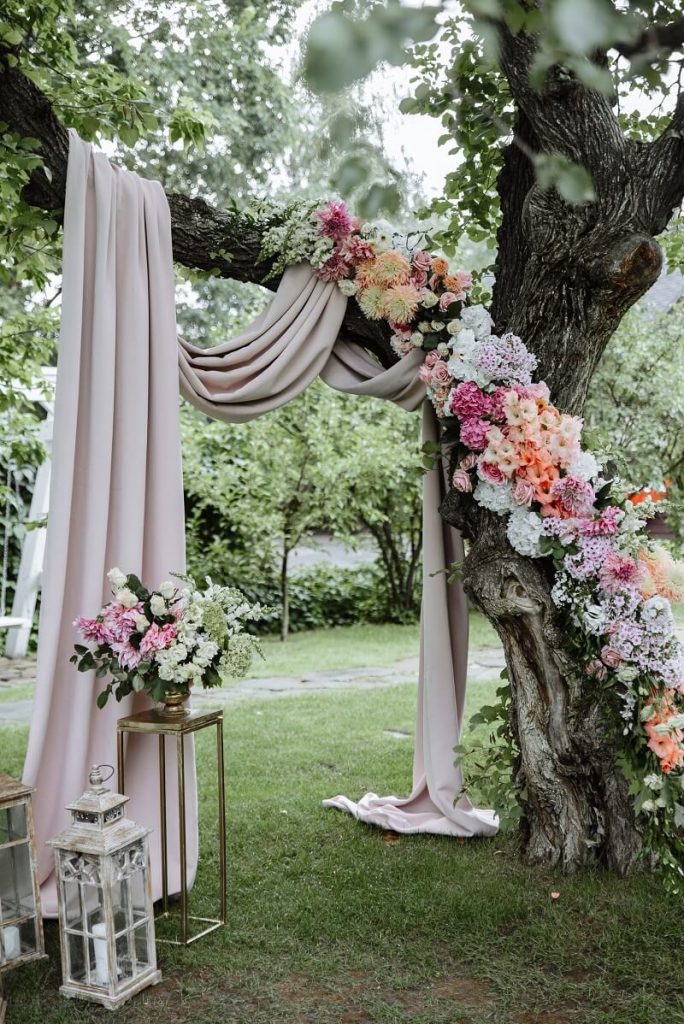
(12, 789)
(155, 721)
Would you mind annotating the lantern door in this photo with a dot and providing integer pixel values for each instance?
(20, 923)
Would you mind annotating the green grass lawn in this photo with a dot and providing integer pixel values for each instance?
(332, 922)
(372, 646)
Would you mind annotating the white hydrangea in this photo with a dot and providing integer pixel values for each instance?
(478, 320)
(495, 497)
(525, 530)
(463, 346)
(585, 466)
(594, 619)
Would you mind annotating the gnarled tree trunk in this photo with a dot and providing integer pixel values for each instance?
(565, 277)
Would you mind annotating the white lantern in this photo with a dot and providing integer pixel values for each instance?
(102, 865)
(21, 925)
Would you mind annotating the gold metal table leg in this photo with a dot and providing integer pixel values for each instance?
(120, 761)
(183, 842)
(163, 824)
(222, 818)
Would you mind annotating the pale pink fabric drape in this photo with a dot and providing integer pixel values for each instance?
(273, 360)
(117, 496)
(117, 493)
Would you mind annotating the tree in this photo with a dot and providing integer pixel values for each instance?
(577, 193)
(325, 462)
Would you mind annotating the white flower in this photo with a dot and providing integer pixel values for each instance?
(584, 466)
(524, 532)
(348, 287)
(158, 605)
(117, 579)
(141, 623)
(478, 320)
(167, 589)
(495, 497)
(654, 782)
(443, 349)
(627, 674)
(437, 325)
(453, 327)
(647, 806)
(424, 327)
(126, 597)
(594, 619)
(416, 339)
(428, 298)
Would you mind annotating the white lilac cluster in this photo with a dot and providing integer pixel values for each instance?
(294, 238)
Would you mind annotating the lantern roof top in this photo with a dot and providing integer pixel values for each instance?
(12, 789)
(98, 824)
(98, 798)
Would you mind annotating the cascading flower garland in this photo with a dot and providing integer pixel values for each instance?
(521, 458)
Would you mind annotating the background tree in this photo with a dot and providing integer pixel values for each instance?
(576, 184)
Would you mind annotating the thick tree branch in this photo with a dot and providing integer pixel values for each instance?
(653, 40)
(204, 238)
(664, 172)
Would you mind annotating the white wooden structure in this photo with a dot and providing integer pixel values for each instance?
(20, 620)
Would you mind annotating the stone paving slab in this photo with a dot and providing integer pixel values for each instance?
(485, 663)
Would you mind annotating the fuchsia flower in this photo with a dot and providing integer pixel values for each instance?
(462, 481)
(334, 219)
(474, 432)
(468, 400)
(157, 638)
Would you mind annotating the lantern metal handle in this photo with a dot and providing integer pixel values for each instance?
(96, 778)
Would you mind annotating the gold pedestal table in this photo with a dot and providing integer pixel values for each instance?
(178, 726)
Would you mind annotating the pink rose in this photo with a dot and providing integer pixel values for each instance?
(433, 282)
(446, 299)
(418, 278)
(422, 260)
(596, 669)
(489, 472)
(469, 462)
(610, 657)
(425, 373)
(462, 481)
(440, 373)
(465, 279)
(523, 492)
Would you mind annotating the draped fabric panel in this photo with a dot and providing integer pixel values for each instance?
(117, 493)
(116, 496)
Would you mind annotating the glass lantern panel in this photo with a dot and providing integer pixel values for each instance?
(76, 961)
(16, 882)
(125, 961)
(92, 901)
(73, 908)
(13, 824)
(27, 937)
(99, 965)
(139, 896)
(142, 946)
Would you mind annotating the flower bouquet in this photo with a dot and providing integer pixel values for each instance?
(165, 641)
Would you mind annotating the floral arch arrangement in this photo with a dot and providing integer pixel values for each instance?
(522, 458)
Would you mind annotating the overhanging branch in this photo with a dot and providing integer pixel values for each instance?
(204, 238)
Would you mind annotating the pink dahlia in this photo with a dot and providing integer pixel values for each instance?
(128, 656)
(606, 525)
(357, 250)
(93, 630)
(120, 621)
(334, 269)
(157, 638)
(334, 219)
(575, 495)
(619, 571)
(474, 432)
(468, 400)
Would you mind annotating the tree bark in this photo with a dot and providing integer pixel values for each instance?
(565, 277)
(204, 238)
